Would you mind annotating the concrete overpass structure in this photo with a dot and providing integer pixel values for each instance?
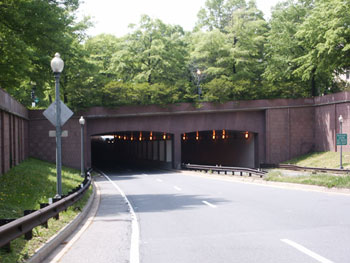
(277, 130)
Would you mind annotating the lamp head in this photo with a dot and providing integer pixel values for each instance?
(57, 64)
(341, 119)
(82, 120)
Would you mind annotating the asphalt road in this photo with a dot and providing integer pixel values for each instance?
(189, 218)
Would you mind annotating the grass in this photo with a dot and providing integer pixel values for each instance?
(25, 187)
(320, 160)
(327, 180)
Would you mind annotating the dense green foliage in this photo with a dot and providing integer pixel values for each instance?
(299, 52)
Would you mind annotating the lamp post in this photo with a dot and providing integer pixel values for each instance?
(341, 146)
(199, 77)
(82, 123)
(57, 65)
(32, 93)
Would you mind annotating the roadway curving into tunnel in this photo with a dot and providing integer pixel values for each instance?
(134, 149)
(224, 147)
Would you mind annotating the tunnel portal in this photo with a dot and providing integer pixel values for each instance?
(156, 149)
(224, 147)
(132, 149)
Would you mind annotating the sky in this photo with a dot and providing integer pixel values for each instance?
(114, 16)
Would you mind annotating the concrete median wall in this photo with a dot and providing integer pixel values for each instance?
(13, 132)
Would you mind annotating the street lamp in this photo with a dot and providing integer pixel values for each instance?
(82, 123)
(199, 77)
(32, 93)
(341, 146)
(57, 65)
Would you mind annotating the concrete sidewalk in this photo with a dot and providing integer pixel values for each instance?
(104, 236)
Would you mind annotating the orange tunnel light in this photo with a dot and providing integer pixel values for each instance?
(246, 135)
(140, 137)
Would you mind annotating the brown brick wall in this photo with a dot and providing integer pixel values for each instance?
(327, 125)
(301, 131)
(13, 132)
(13, 149)
(290, 133)
(44, 147)
(284, 128)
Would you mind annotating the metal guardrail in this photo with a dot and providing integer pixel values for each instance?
(315, 169)
(225, 169)
(25, 224)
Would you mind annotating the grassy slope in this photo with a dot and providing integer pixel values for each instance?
(25, 187)
(322, 160)
(319, 159)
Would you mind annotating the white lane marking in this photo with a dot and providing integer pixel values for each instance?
(177, 188)
(135, 231)
(159, 180)
(306, 251)
(209, 204)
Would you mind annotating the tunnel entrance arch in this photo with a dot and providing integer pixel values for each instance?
(133, 149)
(220, 147)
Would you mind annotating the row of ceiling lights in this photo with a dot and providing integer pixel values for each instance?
(152, 137)
(140, 137)
(214, 135)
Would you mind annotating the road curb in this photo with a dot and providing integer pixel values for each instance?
(56, 240)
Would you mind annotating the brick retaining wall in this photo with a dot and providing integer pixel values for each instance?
(13, 132)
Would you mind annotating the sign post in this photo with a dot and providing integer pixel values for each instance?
(58, 120)
(341, 140)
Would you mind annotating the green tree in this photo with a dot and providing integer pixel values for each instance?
(154, 53)
(283, 48)
(248, 36)
(325, 34)
(31, 32)
(217, 14)
(210, 52)
(101, 49)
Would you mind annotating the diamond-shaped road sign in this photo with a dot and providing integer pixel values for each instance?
(50, 113)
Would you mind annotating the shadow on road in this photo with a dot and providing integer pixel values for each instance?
(148, 203)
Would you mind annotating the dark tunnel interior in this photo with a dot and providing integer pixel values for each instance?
(156, 149)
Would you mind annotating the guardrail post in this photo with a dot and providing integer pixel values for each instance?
(42, 205)
(29, 234)
(54, 200)
(6, 247)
